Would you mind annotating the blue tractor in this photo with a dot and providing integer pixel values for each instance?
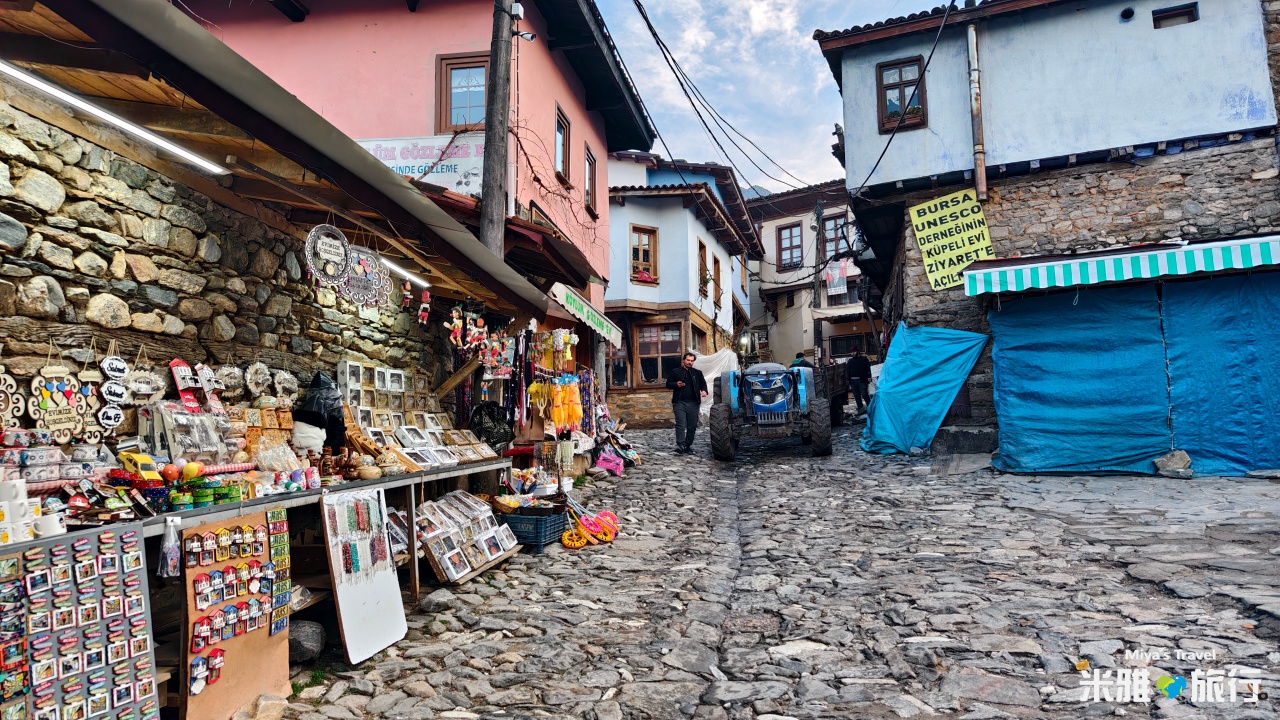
(768, 400)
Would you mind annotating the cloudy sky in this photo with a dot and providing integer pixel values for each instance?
(757, 64)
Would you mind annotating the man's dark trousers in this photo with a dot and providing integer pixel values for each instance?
(686, 412)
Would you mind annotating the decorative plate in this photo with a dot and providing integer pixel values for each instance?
(328, 254)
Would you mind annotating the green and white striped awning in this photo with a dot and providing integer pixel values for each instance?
(1241, 254)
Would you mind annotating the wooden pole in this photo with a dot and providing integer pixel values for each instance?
(497, 112)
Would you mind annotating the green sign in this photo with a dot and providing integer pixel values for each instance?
(582, 309)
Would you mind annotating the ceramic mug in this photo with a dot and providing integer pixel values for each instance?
(11, 490)
(47, 525)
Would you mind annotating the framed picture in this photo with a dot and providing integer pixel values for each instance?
(454, 437)
(434, 438)
(433, 402)
(94, 659)
(108, 564)
(380, 378)
(410, 435)
(419, 419)
(455, 565)
(88, 614)
(121, 695)
(475, 556)
(368, 397)
(117, 652)
(447, 458)
(367, 377)
(112, 606)
(86, 571)
(353, 396)
(10, 568)
(144, 689)
(505, 537)
(395, 381)
(397, 420)
(60, 573)
(470, 436)
(42, 672)
(376, 435)
(485, 452)
(365, 417)
(353, 375)
(64, 618)
(410, 384)
(38, 622)
(433, 422)
(74, 710)
(38, 582)
(131, 561)
(140, 645)
(136, 605)
(99, 704)
(68, 665)
(492, 548)
(397, 402)
(382, 419)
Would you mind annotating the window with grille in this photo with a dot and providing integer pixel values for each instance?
(460, 97)
(659, 350)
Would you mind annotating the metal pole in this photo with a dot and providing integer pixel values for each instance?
(975, 113)
(497, 111)
(817, 284)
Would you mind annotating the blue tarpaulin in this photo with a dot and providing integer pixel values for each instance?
(1080, 382)
(1223, 345)
(922, 373)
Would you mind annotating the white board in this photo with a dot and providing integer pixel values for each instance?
(366, 590)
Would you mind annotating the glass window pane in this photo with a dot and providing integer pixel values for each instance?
(559, 147)
(649, 370)
(618, 373)
(891, 102)
(891, 75)
(910, 72)
(911, 101)
(669, 364)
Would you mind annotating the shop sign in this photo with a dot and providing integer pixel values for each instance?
(453, 162)
(582, 309)
(328, 255)
(952, 234)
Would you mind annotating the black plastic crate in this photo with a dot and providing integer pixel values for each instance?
(535, 530)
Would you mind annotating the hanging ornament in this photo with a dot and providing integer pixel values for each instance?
(185, 380)
(13, 405)
(55, 400)
(328, 255)
(90, 402)
(145, 385)
(232, 380)
(454, 326)
(257, 379)
(406, 296)
(368, 280)
(424, 310)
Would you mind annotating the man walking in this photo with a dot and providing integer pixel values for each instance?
(858, 370)
(688, 387)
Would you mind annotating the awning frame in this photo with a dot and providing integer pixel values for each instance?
(1113, 266)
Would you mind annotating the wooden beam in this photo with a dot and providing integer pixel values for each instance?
(349, 215)
(169, 119)
(39, 50)
(292, 9)
(60, 116)
(456, 378)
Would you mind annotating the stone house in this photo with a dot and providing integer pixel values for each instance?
(1104, 129)
(680, 238)
(792, 254)
(106, 236)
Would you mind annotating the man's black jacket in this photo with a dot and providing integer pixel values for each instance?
(694, 385)
(858, 368)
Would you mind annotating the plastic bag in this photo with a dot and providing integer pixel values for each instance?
(489, 423)
(322, 408)
(170, 565)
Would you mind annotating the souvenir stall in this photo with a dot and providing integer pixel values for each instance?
(254, 493)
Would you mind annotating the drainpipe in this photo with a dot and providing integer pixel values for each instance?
(975, 113)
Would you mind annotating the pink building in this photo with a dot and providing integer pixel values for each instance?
(408, 81)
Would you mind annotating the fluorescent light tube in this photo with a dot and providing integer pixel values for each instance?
(81, 104)
(404, 273)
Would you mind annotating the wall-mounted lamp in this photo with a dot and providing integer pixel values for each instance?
(524, 35)
(119, 122)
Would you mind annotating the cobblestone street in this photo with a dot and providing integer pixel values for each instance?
(853, 586)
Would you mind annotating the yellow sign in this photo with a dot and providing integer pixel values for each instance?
(952, 233)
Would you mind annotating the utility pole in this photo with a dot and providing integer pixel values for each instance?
(817, 283)
(497, 111)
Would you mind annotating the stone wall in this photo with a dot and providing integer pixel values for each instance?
(97, 245)
(1197, 194)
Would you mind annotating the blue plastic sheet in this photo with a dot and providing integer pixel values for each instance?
(922, 373)
(1222, 346)
(1080, 382)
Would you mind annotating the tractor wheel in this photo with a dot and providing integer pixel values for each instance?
(820, 427)
(723, 445)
